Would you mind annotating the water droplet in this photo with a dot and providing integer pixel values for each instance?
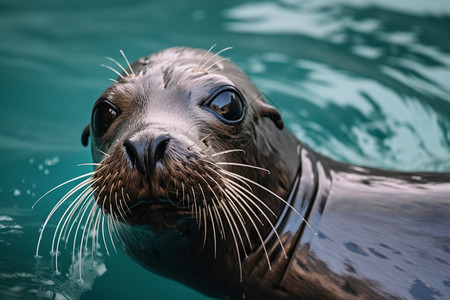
(31, 161)
(16, 192)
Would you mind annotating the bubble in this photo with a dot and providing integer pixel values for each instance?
(17, 192)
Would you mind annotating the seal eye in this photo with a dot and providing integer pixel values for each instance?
(228, 105)
(103, 115)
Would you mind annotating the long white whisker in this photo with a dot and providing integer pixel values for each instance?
(119, 65)
(227, 151)
(265, 216)
(114, 70)
(276, 196)
(208, 69)
(89, 164)
(256, 228)
(214, 56)
(58, 204)
(226, 212)
(242, 165)
(197, 68)
(213, 230)
(128, 63)
(80, 199)
(60, 185)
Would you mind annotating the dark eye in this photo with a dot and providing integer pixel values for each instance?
(228, 105)
(103, 115)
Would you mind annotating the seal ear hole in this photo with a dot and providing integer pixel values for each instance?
(266, 110)
(103, 116)
(85, 136)
(227, 104)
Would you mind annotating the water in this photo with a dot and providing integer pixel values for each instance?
(363, 82)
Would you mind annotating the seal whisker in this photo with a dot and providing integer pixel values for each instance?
(227, 151)
(73, 218)
(59, 203)
(197, 143)
(235, 225)
(238, 190)
(234, 198)
(121, 213)
(230, 175)
(226, 212)
(113, 70)
(65, 219)
(89, 227)
(213, 231)
(85, 234)
(205, 225)
(241, 204)
(98, 215)
(276, 196)
(67, 230)
(222, 228)
(242, 165)
(183, 193)
(78, 199)
(204, 215)
(114, 218)
(208, 69)
(103, 233)
(213, 57)
(128, 63)
(56, 243)
(197, 68)
(81, 212)
(215, 197)
(195, 204)
(119, 65)
(60, 185)
(242, 222)
(89, 164)
(250, 193)
(108, 223)
(125, 201)
(117, 227)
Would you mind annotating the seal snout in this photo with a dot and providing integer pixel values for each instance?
(144, 153)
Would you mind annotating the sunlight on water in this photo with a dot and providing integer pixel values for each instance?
(364, 82)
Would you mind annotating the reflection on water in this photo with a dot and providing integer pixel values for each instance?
(370, 75)
(361, 81)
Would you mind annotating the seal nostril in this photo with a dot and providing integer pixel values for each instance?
(158, 148)
(135, 151)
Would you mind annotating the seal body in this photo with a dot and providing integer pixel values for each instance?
(208, 189)
(380, 235)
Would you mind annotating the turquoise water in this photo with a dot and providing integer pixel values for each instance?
(366, 82)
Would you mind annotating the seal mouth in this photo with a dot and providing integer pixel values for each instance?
(159, 213)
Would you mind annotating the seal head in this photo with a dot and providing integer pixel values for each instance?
(186, 143)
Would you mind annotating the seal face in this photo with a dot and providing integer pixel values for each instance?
(179, 138)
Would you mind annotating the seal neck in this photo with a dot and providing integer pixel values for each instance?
(306, 190)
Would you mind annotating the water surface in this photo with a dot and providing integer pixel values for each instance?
(365, 82)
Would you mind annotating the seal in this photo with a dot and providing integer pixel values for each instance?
(206, 187)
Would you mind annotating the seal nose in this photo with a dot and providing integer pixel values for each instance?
(145, 154)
